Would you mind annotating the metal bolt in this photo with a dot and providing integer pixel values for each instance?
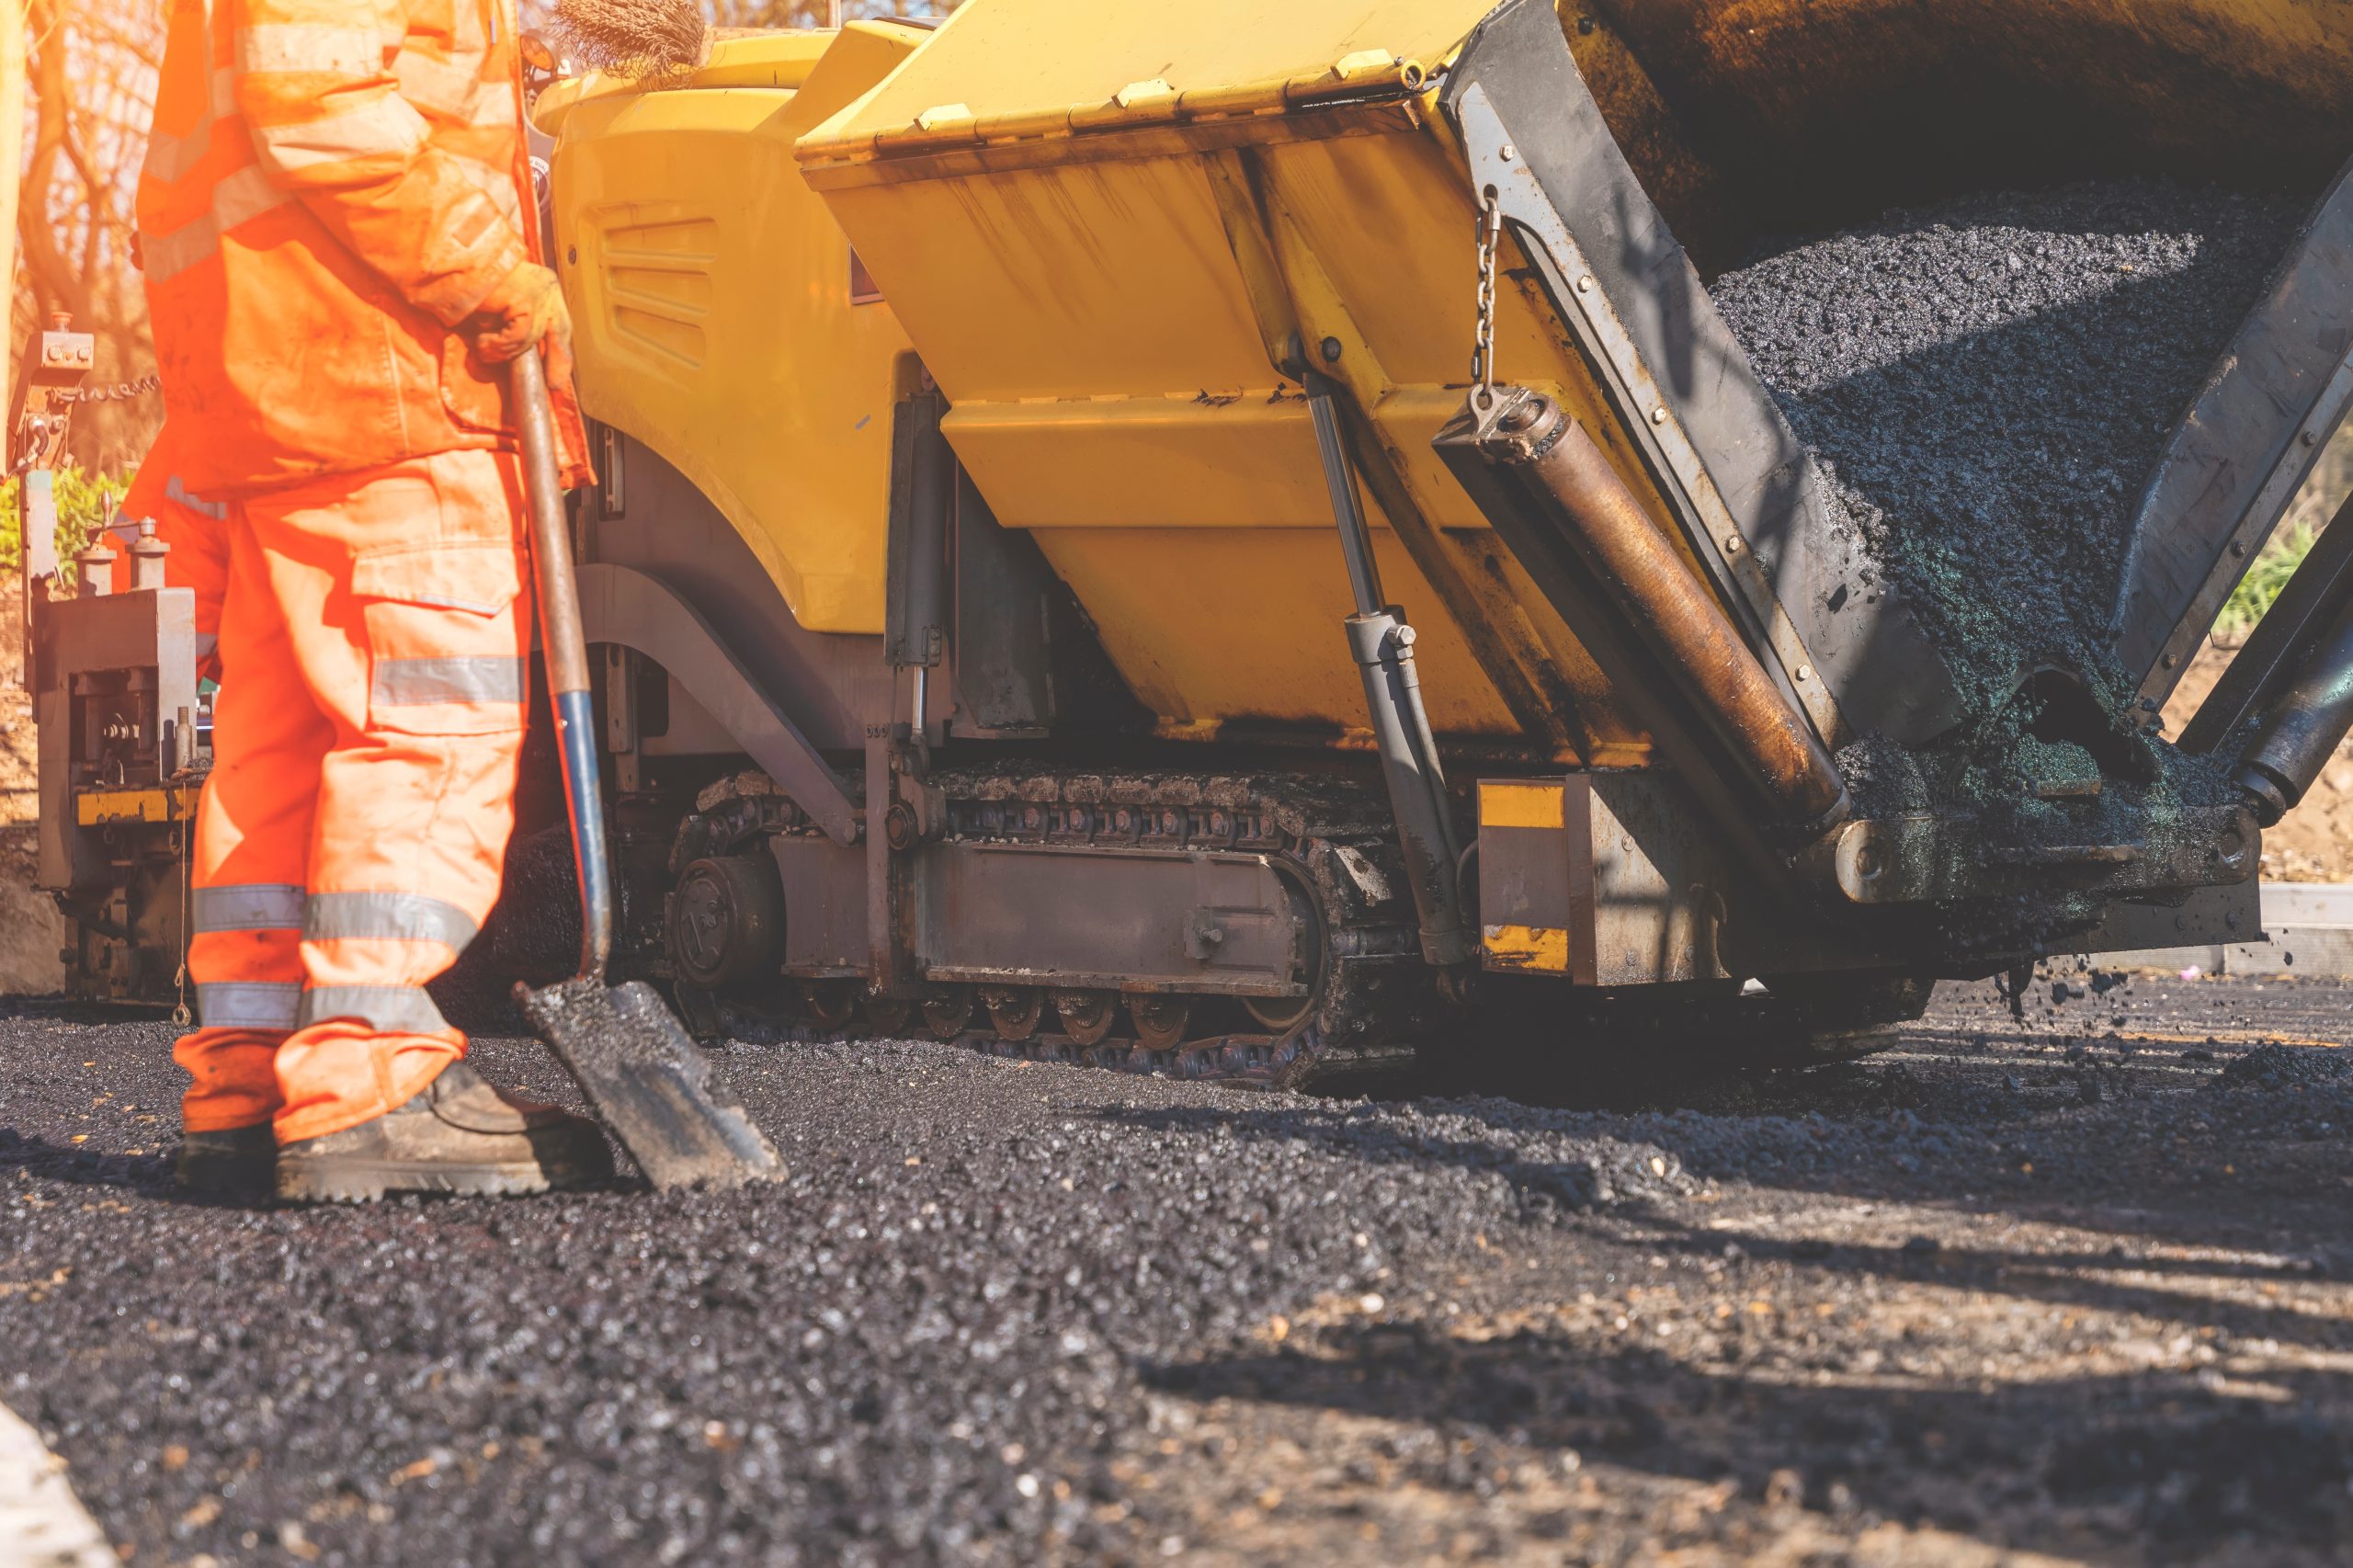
(1585, 285)
(1732, 544)
(1805, 672)
(2311, 438)
(1658, 415)
(2238, 548)
(1507, 153)
(1331, 350)
(2170, 660)
(1405, 636)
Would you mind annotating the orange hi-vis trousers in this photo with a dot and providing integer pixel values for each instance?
(374, 649)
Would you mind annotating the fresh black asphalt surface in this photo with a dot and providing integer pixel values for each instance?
(2070, 1289)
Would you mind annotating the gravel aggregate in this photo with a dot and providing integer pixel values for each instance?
(1987, 384)
(2070, 1286)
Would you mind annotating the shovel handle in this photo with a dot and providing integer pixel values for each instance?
(564, 649)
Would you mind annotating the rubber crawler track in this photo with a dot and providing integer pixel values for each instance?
(1374, 998)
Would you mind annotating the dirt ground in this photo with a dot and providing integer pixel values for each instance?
(2316, 843)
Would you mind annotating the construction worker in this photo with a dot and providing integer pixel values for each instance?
(339, 254)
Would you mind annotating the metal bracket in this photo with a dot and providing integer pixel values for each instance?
(618, 604)
(2237, 461)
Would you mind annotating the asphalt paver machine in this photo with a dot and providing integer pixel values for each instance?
(1233, 540)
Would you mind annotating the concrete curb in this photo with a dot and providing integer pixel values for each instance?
(2310, 931)
(42, 1524)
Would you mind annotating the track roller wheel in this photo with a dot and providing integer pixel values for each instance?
(832, 1002)
(1087, 1015)
(1160, 1020)
(888, 1016)
(947, 1013)
(1015, 1010)
(1281, 1014)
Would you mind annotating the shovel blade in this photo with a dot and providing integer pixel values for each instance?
(652, 1085)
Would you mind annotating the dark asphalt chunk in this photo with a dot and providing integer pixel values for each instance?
(1011, 1313)
(1988, 384)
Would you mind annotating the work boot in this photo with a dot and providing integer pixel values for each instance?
(231, 1160)
(457, 1134)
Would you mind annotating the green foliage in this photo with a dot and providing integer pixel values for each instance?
(85, 503)
(2259, 589)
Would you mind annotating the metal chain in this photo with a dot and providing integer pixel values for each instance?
(121, 392)
(1483, 348)
(37, 428)
(185, 830)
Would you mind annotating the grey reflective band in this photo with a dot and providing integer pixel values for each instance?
(248, 1005)
(391, 1010)
(247, 906)
(217, 511)
(411, 916)
(411, 683)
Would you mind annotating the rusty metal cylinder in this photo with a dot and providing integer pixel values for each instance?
(1674, 614)
(2301, 732)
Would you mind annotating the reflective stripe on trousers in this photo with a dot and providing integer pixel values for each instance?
(387, 1009)
(249, 1005)
(416, 683)
(247, 906)
(413, 916)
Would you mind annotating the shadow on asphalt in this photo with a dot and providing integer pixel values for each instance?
(2163, 1461)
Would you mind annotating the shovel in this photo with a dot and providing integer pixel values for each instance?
(643, 1077)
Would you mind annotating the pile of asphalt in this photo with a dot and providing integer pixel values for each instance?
(1987, 384)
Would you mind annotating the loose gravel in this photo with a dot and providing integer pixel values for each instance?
(2071, 1287)
(1987, 384)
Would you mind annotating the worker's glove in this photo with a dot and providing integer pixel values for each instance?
(527, 306)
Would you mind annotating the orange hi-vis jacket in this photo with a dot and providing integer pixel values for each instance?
(330, 187)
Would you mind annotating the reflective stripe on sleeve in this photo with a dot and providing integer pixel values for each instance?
(410, 683)
(295, 45)
(248, 1005)
(247, 906)
(387, 127)
(455, 88)
(389, 1009)
(408, 917)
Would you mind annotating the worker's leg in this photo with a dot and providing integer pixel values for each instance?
(402, 591)
(249, 880)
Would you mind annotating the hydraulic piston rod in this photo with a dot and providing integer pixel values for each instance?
(1383, 644)
(2302, 727)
